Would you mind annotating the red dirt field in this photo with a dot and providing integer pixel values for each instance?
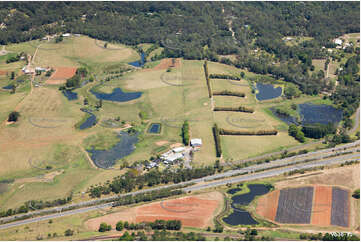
(166, 63)
(194, 211)
(3, 73)
(322, 204)
(267, 205)
(61, 74)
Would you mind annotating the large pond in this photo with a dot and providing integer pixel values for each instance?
(267, 91)
(241, 216)
(107, 158)
(70, 95)
(117, 95)
(312, 114)
(139, 63)
(90, 121)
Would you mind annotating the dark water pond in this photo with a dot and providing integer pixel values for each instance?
(241, 216)
(267, 91)
(70, 95)
(107, 158)
(154, 128)
(139, 63)
(8, 87)
(323, 114)
(90, 121)
(117, 95)
(312, 113)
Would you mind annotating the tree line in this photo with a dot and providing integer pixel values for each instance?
(217, 140)
(185, 132)
(205, 66)
(235, 109)
(229, 93)
(158, 224)
(224, 76)
(247, 132)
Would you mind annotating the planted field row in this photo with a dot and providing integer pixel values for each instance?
(295, 205)
(340, 207)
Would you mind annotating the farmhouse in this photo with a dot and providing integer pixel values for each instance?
(196, 143)
(173, 157)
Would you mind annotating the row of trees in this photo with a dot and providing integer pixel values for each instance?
(146, 197)
(185, 132)
(130, 181)
(247, 132)
(318, 131)
(205, 66)
(224, 76)
(156, 225)
(36, 205)
(229, 93)
(217, 140)
(235, 109)
(162, 236)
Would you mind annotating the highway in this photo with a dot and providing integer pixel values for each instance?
(246, 177)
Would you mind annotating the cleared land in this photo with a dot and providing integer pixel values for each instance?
(321, 212)
(340, 207)
(61, 74)
(267, 205)
(194, 211)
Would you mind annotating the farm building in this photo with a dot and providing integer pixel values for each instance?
(40, 69)
(179, 149)
(196, 143)
(66, 35)
(27, 70)
(173, 157)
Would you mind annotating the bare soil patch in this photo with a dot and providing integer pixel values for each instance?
(3, 73)
(45, 178)
(267, 205)
(166, 63)
(321, 214)
(61, 74)
(176, 145)
(194, 211)
(161, 142)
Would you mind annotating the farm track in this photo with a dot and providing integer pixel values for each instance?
(207, 182)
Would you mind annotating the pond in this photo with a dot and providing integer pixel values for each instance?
(322, 114)
(8, 87)
(139, 63)
(107, 158)
(70, 95)
(267, 91)
(117, 95)
(312, 114)
(241, 216)
(154, 128)
(90, 121)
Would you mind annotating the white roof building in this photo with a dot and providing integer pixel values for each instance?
(196, 142)
(179, 149)
(66, 35)
(338, 41)
(174, 156)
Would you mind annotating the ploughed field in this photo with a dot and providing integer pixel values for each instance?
(193, 211)
(317, 205)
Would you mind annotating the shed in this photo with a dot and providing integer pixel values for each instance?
(196, 142)
(179, 149)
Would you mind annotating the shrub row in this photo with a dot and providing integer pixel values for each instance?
(185, 132)
(224, 76)
(247, 132)
(205, 66)
(217, 140)
(157, 224)
(235, 109)
(229, 93)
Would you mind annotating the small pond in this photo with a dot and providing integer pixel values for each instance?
(241, 216)
(107, 158)
(139, 63)
(8, 87)
(267, 91)
(154, 128)
(90, 121)
(70, 95)
(117, 95)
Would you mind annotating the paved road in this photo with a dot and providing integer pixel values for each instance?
(272, 164)
(247, 177)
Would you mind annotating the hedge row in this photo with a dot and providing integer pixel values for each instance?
(224, 76)
(205, 66)
(235, 109)
(185, 133)
(247, 132)
(229, 93)
(217, 140)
